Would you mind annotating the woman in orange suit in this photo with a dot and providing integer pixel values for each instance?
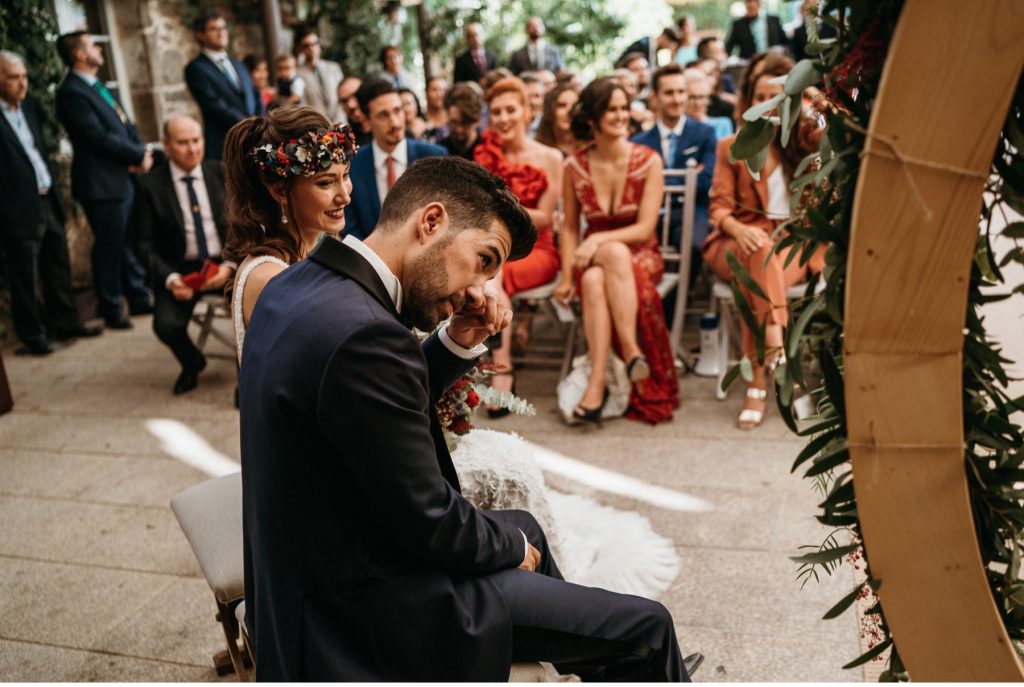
(744, 212)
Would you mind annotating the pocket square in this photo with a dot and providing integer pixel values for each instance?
(691, 150)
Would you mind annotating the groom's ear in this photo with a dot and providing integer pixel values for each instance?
(433, 222)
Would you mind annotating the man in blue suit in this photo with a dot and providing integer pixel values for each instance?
(377, 167)
(363, 561)
(679, 140)
(220, 85)
(108, 150)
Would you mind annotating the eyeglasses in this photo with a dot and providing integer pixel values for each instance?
(701, 98)
(308, 44)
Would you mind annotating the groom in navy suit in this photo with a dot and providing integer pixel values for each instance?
(221, 85)
(376, 167)
(363, 561)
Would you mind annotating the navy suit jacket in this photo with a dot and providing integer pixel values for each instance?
(362, 213)
(105, 147)
(221, 103)
(698, 143)
(362, 561)
(20, 202)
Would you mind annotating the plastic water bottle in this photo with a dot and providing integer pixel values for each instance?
(707, 362)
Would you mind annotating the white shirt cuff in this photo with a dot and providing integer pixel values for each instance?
(526, 543)
(171, 277)
(459, 350)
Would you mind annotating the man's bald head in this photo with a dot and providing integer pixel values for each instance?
(183, 142)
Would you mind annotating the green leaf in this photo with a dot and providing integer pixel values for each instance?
(731, 375)
(752, 137)
(801, 76)
(823, 557)
(864, 658)
(746, 369)
(833, 382)
(837, 455)
(798, 328)
(761, 109)
(755, 163)
(843, 604)
(1014, 230)
(814, 447)
(740, 272)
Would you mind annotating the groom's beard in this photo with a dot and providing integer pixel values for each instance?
(425, 296)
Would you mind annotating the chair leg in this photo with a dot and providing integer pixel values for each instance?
(226, 617)
(570, 347)
(205, 322)
(724, 327)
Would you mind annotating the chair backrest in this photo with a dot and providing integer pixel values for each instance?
(680, 188)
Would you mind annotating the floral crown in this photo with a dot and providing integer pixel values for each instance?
(310, 153)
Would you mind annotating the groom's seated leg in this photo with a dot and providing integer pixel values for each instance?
(525, 521)
(594, 633)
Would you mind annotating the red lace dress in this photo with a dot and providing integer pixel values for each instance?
(653, 399)
(541, 266)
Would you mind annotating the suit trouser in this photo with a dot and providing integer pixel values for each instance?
(170, 324)
(769, 271)
(42, 262)
(116, 270)
(594, 633)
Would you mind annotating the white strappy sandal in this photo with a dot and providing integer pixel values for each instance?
(750, 418)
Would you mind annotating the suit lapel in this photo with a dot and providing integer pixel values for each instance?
(336, 256)
(212, 66)
(215, 191)
(171, 199)
(5, 127)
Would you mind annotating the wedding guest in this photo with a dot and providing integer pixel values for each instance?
(179, 225)
(641, 68)
(259, 71)
(640, 117)
(290, 86)
(533, 173)
(555, 128)
(465, 105)
(535, 99)
(617, 186)
(108, 151)
(744, 214)
(220, 85)
(415, 124)
(347, 90)
(772, 60)
(698, 98)
(377, 167)
(321, 77)
(494, 76)
(32, 222)
(722, 103)
(363, 561)
(547, 79)
(437, 114)
(754, 32)
(537, 53)
(391, 60)
(650, 46)
(566, 77)
(274, 214)
(473, 64)
(686, 28)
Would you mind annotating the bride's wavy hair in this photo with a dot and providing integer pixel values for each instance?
(253, 216)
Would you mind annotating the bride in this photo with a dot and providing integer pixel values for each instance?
(287, 177)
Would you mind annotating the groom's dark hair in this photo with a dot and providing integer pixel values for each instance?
(472, 196)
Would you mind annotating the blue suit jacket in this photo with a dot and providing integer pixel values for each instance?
(221, 103)
(697, 143)
(362, 562)
(362, 213)
(104, 145)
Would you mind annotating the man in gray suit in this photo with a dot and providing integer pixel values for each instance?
(321, 77)
(537, 54)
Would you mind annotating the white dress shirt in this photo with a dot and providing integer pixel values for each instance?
(380, 165)
(213, 246)
(664, 132)
(778, 195)
(223, 63)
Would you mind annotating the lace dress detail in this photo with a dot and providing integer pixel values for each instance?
(239, 292)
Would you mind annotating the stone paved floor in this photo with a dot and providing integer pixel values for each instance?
(97, 582)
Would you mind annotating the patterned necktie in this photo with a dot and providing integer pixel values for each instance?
(392, 175)
(673, 142)
(197, 219)
(108, 96)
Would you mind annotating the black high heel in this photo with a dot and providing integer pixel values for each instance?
(638, 368)
(591, 415)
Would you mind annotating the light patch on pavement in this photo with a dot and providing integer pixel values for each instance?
(617, 483)
(181, 441)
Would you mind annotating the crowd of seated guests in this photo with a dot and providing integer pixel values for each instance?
(588, 163)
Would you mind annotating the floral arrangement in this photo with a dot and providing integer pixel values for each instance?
(456, 407)
(311, 153)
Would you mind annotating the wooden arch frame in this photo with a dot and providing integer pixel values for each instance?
(945, 90)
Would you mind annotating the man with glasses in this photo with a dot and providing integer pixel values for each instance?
(322, 77)
(698, 98)
(465, 105)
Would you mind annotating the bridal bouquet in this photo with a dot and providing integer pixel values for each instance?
(456, 407)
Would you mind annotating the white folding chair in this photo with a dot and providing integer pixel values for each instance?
(680, 187)
(210, 308)
(560, 314)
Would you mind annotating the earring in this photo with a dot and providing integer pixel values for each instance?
(284, 213)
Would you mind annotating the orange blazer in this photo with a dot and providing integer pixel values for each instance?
(735, 192)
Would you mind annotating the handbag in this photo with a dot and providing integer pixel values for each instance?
(570, 390)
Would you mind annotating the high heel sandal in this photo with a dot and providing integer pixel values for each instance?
(495, 413)
(638, 369)
(750, 418)
(591, 415)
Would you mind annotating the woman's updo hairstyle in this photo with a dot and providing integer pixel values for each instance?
(592, 105)
(253, 216)
(509, 84)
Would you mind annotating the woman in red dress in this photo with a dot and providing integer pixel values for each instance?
(617, 186)
(534, 173)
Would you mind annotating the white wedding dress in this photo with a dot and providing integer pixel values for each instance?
(238, 292)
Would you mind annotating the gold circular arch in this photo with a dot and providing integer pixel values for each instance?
(945, 91)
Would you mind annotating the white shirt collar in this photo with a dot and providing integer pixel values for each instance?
(85, 76)
(400, 153)
(216, 56)
(391, 283)
(177, 173)
(664, 131)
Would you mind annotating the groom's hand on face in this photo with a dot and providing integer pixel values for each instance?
(481, 317)
(532, 559)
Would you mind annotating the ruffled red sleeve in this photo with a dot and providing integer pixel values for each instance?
(526, 181)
